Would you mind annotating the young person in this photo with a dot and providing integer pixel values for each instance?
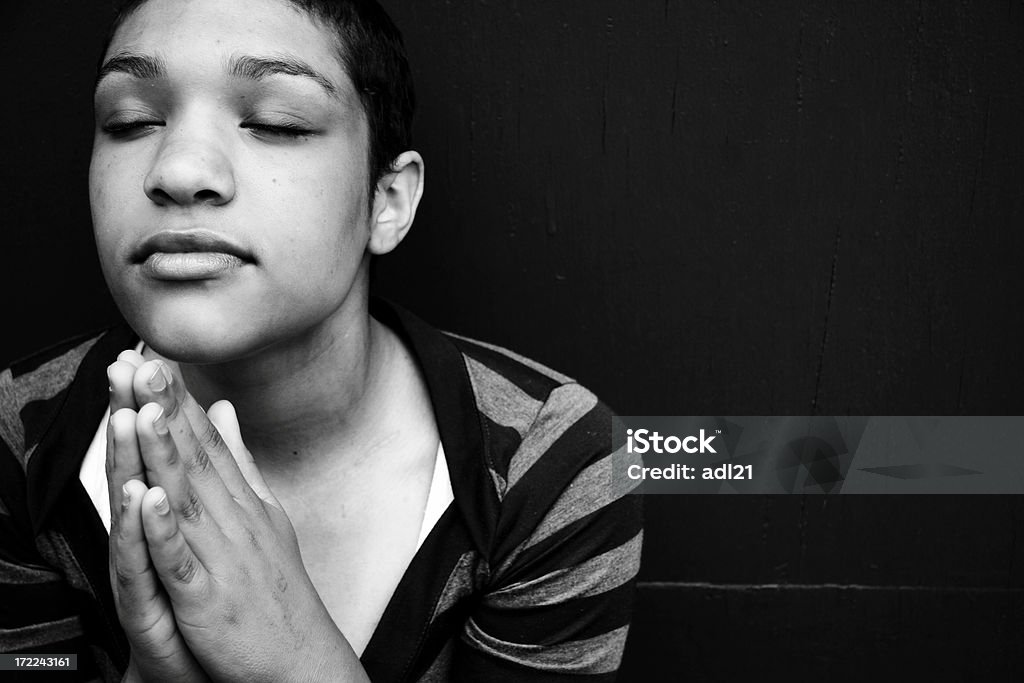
(299, 482)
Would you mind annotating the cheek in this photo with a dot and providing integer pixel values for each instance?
(321, 212)
(110, 178)
(315, 242)
(110, 232)
(322, 253)
(103, 216)
(97, 187)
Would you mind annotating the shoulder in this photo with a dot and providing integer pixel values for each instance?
(532, 416)
(32, 391)
(556, 587)
(548, 451)
(30, 384)
(67, 379)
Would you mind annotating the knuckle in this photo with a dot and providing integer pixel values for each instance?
(185, 568)
(124, 578)
(191, 509)
(258, 506)
(171, 457)
(253, 539)
(198, 462)
(155, 635)
(168, 535)
(121, 533)
(210, 436)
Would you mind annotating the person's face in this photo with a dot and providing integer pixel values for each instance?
(228, 178)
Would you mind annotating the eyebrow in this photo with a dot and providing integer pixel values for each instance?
(139, 66)
(258, 68)
(245, 66)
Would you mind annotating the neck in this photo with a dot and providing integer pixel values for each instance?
(308, 398)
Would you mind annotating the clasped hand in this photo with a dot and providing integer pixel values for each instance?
(204, 563)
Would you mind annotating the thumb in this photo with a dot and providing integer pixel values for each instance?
(222, 415)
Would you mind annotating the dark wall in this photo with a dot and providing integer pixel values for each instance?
(695, 208)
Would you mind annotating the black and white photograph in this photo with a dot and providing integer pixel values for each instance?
(483, 341)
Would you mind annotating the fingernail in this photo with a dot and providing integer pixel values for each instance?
(126, 497)
(166, 371)
(160, 424)
(160, 378)
(111, 452)
(162, 508)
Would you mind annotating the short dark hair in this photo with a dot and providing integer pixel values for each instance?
(373, 55)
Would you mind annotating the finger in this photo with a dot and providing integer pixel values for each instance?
(140, 599)
(181, 573)
(222, 414)
(143, 607)
(208, 460)
(165, 467)
(132, 357)
(124, 461)
(120, 375)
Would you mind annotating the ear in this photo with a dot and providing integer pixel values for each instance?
(394, 205)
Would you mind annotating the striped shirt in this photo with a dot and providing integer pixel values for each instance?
(528, 576)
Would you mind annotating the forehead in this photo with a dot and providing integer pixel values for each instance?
(198, 34)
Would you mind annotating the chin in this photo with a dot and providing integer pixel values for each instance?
(197, 334)
(194, 349)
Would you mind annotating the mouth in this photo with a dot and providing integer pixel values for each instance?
(189, 255)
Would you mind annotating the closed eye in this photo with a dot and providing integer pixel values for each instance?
(278, 130)
(128, 127)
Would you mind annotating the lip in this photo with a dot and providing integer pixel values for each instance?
(183, 255)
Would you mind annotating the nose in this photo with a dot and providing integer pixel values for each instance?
(191, 167)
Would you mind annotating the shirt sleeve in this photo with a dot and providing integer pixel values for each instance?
(37, 607)
(558, 607)
(40, 614)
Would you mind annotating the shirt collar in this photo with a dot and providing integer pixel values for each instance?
(57, 459)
